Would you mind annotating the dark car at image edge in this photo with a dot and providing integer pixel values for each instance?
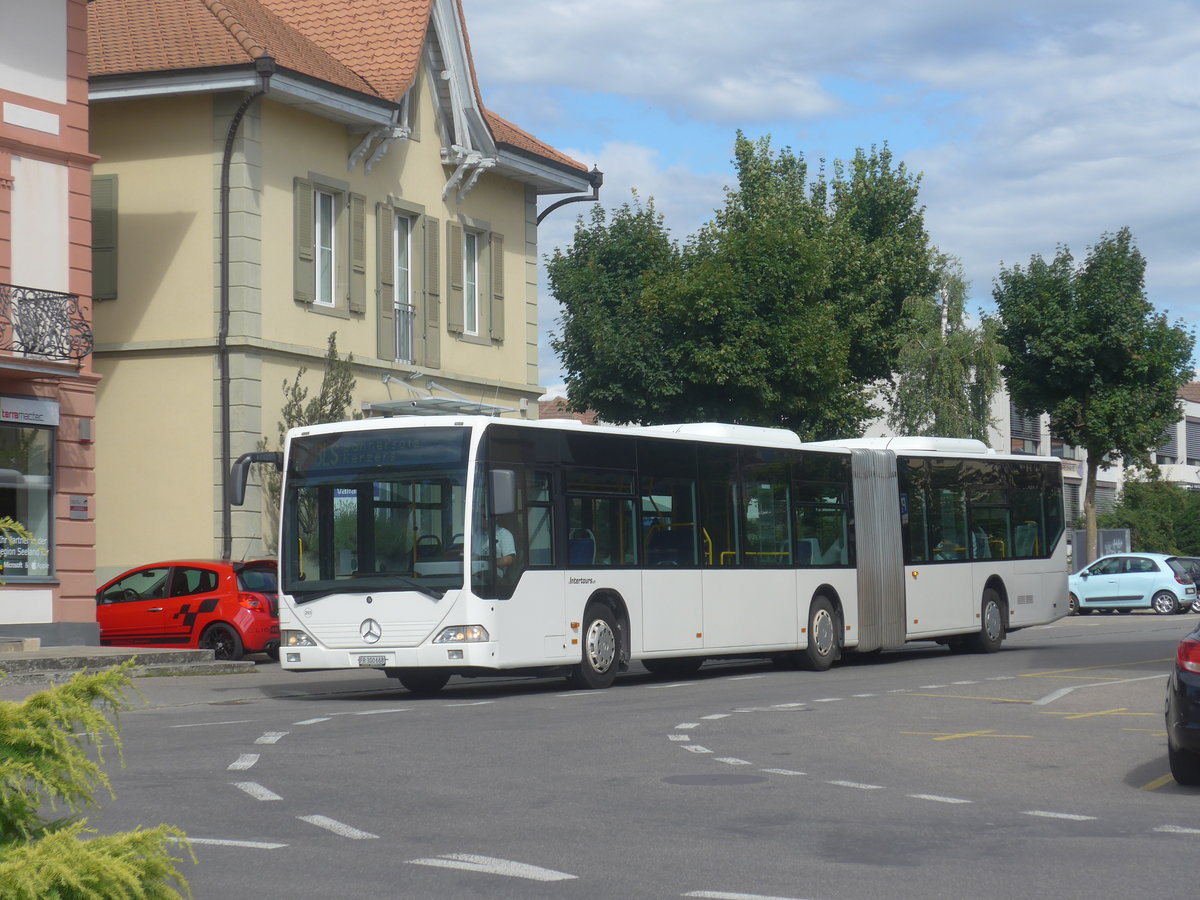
(1183, 711)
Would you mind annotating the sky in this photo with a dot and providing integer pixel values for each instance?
(1033, 125)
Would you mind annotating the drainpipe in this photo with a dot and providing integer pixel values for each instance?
(265, 67)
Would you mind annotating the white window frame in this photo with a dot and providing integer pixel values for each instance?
(404, 310)
(325, 223)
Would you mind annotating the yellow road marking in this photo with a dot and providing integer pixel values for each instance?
(1120, 711)
(952, 736)
(965, 697)
(1153, 731)
(1052, 672)
(1156, 783)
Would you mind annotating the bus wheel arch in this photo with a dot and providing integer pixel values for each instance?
(604, 636)
(824, 632)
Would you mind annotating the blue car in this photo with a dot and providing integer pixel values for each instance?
(1183, 712)
(1129, 581)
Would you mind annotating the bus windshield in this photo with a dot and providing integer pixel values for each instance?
(378, 510)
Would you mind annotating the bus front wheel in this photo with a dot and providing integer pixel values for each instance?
(422, 682)
(601, 649)
(991, 631)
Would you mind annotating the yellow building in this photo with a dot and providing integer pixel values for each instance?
(271, 172)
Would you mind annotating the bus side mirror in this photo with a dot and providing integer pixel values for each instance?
(240, 472)
(504, 491)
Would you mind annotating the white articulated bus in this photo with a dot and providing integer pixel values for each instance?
(428, 546)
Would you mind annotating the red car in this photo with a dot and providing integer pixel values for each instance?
(231, 608)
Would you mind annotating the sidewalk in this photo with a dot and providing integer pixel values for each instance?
(25, 662)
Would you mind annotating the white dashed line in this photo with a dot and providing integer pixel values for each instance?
(696, 748)
(716, 716)
(659, 687)
(270, 737)
(966, 682)
(245, 761)
(865, 695)
(257, 791)
(1072, 817)
(733, 761)
(218, 842)
(684, 726)
(827, 700)
(312, 721)
(782, 771)
(475, 703)
(207, 724)
(725, 895)
(787, 705)
(679, 737)
(337, 827)
(492, 866)
(1176, 829)
(744, 677)
(939, 799)
(857, 785)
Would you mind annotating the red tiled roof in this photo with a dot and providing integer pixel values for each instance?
(369, 46)
(1190, 392)
(557, 409)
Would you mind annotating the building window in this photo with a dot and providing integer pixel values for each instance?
(406, 313)
(26, 497)
(1192, 437)
(1167, 451)
(1063, 450)
(1106, 498)
(470, 282)
(1072, 508)
(324, 222)
(1025, 432)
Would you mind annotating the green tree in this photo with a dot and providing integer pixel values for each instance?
(330, 404)
(780, 311)
(1162, 517)
(51, 755)
(947, 372)
(1086, 346)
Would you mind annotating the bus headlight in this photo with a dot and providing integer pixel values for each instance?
(462, 634)
(295, 639)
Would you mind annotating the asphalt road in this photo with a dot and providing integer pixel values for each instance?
(1039, 771)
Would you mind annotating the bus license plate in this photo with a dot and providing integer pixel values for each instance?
(369, 661)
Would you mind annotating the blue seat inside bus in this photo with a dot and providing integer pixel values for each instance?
(581, 547)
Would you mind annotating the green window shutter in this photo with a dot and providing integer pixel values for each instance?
(358, 253)
(454, 278)
(497, 287)
(432, 287)
(104, 237)
(305, 273)
(385, 289)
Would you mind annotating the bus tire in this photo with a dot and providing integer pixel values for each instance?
(422, 682)
(822, 647)
(601, 650)
(991, 630)
(676, 667)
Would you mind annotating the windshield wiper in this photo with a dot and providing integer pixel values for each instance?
(375, 581)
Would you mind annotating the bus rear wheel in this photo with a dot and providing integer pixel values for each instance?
(601, 649)
(822, 647)
(991, 631)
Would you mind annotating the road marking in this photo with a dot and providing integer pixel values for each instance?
(381, 712)
(492, 866)
(245, 761)
(679, 737)
(1073, 817)
(787, 705)
(744, 677)
(475, 703)
(783, 771)
(218, 842)
(939, 799)
(733, 761)
(1119, 711)
(337, 827)
(1055, 672)
(1157, 783)
(725, 895)
(1062, 692)
(683, 726)
(257, 791)
(968, 697)
(270, 737)
(952, 736)
(207, 724)
(716, 716)
(965, 682)
(1176, 829)
(658, 687)
(313, 721)
(866, 695)
(696, 748)
(857, 785)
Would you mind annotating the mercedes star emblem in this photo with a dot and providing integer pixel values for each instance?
(370, 631)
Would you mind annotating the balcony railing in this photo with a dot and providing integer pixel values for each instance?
(43, 324)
